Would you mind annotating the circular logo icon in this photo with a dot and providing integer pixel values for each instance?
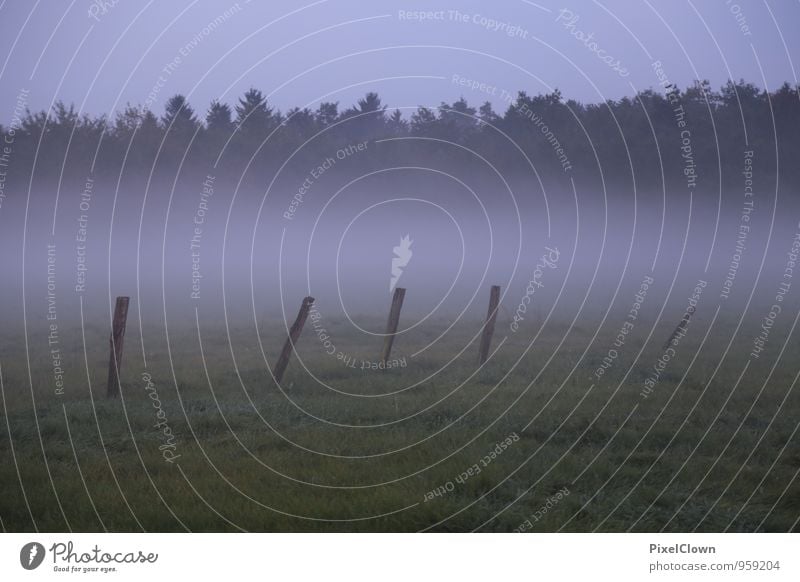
(31, 555)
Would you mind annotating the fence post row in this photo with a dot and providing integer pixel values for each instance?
(121, 316)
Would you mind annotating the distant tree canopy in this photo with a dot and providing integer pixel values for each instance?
(647, 137)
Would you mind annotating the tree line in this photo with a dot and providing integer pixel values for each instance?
(641, 137)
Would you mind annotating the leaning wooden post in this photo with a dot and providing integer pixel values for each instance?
(294, 335)
(488, 327)
(116, 341)
(683, 324)
(391, 325)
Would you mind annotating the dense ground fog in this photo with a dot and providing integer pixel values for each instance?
(245, 251)
(251, 208)
(241, 213)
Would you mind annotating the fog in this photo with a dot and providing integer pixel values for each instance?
(226, 250)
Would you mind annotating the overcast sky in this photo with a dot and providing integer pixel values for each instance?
(100, 55)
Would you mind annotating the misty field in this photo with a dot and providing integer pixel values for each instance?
(203, 440)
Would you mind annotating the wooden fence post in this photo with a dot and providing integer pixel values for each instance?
(116, 341)
(683, 324)
(488, 327)
(391, 325)
(294, 335)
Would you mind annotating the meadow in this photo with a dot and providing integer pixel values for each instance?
(202, 438)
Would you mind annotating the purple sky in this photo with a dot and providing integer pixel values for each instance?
(338, 50)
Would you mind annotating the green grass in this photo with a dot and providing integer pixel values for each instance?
(254, 458)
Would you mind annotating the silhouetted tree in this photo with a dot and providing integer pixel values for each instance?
(458, 121)
(300, 124)
(253, 116)
(487, 114)
(423, 122)
(367, 120)
(179, 116)
(327, 113)
(396, 125)
(219, 118)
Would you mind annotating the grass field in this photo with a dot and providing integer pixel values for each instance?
(230, 450)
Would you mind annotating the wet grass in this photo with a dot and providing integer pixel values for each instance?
(696, 454)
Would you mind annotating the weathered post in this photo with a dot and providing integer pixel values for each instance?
(682, 325)
(116, 341)
(391, 325)
(488, 327)
(294, 335)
